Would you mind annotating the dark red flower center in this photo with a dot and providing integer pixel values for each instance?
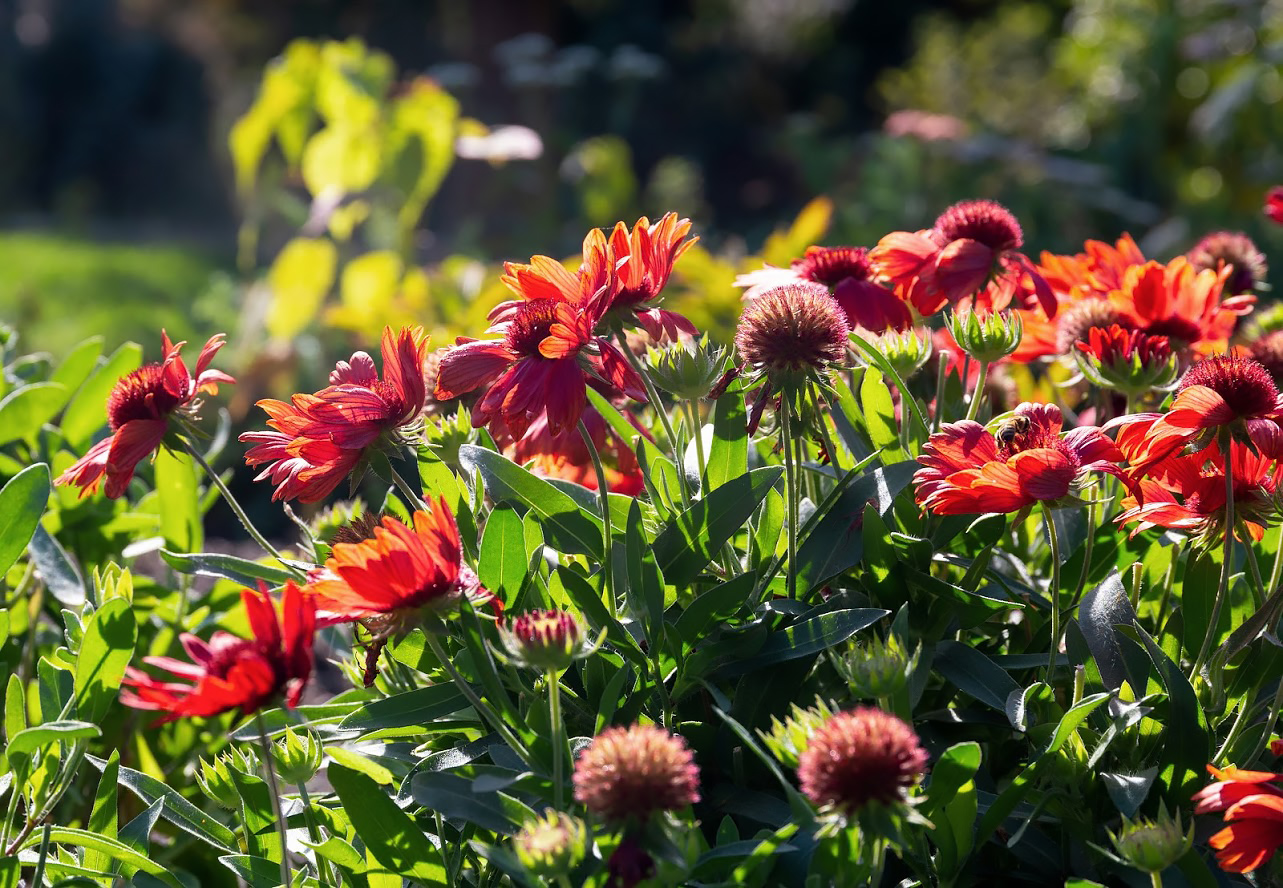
(1245, 385)
(226, 657)
(1075, 322)
(832, 265)
(1176, 329)
(389, 394)
(984, 221)
(530, 327)
(140, 395)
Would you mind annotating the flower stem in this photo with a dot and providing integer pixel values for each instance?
(653, 394)
(314, 833)
(483, 709)
(973, 409)
(558, 738)
(692, 413)
(603, 492)
(274, 789)
(790, 472)
(942, 368)
(239, 512)
(1266, 729)
(829, 444)
(416, 499)
(1276, 572)
(1227, 556)
(1053, 540)
(1254, 570)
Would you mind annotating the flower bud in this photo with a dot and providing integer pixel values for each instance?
(907, 351)
(1128, 361)
(215, 778)
(550, 846)
(986, 337)
(878, 668)
(544, 640)
(787, 739)
(687, 369)
(298, 758)
(1153, 845)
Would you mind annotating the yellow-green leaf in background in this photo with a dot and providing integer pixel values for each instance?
(424, 125)
(367, 289)
(299, 279)
(782, 247)
(343, 158)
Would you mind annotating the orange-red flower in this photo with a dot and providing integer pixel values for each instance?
(967, 470)
(398, 575)
(972, 244)
(232, 673)
(543, 362)
(565, 456)
(1253, 806)
(319, 440)
(139, 410)
(1179, 301)
(1274, 204)
(1187, 491)
(1222, 392)
(850, 276)
(1132, 362)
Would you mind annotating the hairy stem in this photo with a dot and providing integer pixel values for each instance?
(274, 790)
(1053, 540)
(603, 493)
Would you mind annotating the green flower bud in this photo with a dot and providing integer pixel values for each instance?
(906, 350)
(787, 739)
(687, 369)
(545, 640)
(986, 337)
(1129, 361)
(298, 758)
(878, 668)
(447, 433)
(1153, 845)
(215, 778)
(551, 846)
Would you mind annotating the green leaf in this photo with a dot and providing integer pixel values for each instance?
(717, 604)
(1186, 738)
(257, 872)
(728, 456)
(644, 587)
(103, 819)
(87, 412)
(15, 707)
(503, 564)
(116, 850)
(692, 538)
(388, 832)
(178, 811)
(78, 364)
(455, 796)
(28, 740)
(22, 502)
(660, 476)
(357, 762)
(178, 493)
(229, 567)
(807, 638)
(567, 527)
(56, 569)
(105, 651)
(24, 410)
(299, 279)
(878, 412)
(418, 707)
(974, 673)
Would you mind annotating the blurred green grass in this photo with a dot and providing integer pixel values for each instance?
(58, 289)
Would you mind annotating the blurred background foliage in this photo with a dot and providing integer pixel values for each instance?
(300, 173)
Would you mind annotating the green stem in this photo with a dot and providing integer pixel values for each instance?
(942, 367)
(1267, 728)
(483, 709)
(416, 499)
(790, 472)
(829, 444)
(1258, 585)
(653, 394)
(558, 738)
(1053, 540)
(603, 493)
(1227, 556)
(274, 789)
(238, 511)
(1276, 573)
(38, 877)
(1087, 547)
(1236, 728)
(314, 833)
(692, 413)
(973, 409)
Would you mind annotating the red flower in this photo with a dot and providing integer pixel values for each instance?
(971, 245)
(1222, 392)
(138, 413)
(651, 252)
(1232, 785)
(1179, 301)
(1253, 807)
(849, 274)
(1132, 362)
(318, 440)
(1274, 204)
(1187, 492)
(547, 355)
(229, 672)
(967, 470)
(385, 581)
(566, 456)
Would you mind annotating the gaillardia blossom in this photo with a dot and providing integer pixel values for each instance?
(968, 470)
(232, 673)
(859, 757)
(139, 413)
(542, 365)
(1225, 392)
(634, 772)
(1253, 809)
(972, 244)
(400, 574)
(851, 278)
(319, 440)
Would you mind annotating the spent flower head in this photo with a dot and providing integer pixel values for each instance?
(633, 772)
(1235, 249)
(545, 640)
(687, 368)
(986, 336)
(1153, 845)
(860, 757)
(791, 334)
(552, 845)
